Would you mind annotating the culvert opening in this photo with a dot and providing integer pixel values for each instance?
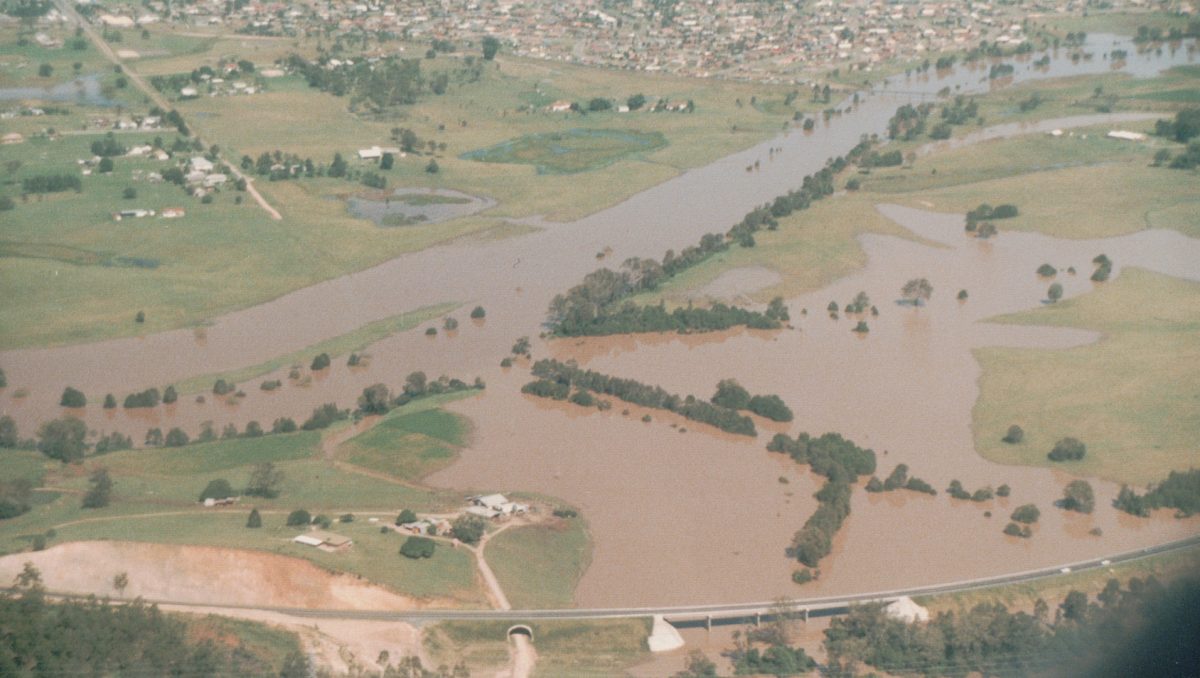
(520, 630)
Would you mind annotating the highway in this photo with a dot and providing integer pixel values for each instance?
(708, 613)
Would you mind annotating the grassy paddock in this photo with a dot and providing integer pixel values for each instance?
(1130, 398)
(412, 441)
(539, 566)
(604, 647)
(375, 556)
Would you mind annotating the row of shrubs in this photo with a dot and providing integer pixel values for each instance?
(899, 479)
(841, 462)
(555, 379)
(601, 290)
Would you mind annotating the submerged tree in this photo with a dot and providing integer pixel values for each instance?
(917, 291)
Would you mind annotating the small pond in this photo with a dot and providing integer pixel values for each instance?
(412, 206)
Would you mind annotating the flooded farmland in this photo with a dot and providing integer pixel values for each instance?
(697, 516)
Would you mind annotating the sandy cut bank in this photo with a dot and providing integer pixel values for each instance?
(200, 574)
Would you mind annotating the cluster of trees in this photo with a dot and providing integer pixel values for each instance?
(148, 398)
(63, 439)
(108, 146)
(957, 491)
(775, 660)
(15, 497)
(1078, 496)
(630, 317)
(418, 547)
(378, 398)
(99, 492)
(885, 159)
(899, 479)
(1067, 449)
(979, 219)
(1103, 268)
(1145, 629)
(1188, 158)
(324, 416)
(959, 112)
(1183, 128)
(468, 528)
(917, 291)
(908, 122)
(112, 443)
(51, 183)
(551, 372)
(841, 462)
(1000, 71)
(732, 395)
(389, 82)
(1155, 34)
(1180, 491)
(602, 289)
(72, 397)
(1024, 516)
(96, 637)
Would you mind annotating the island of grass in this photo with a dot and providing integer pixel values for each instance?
(411, 442)
(1149, 353)
(575, 150)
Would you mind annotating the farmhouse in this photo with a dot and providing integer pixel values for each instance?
(1126, 136)
(494, 506)
(132, 214)
(326, 541)
(172, 212)
(200, 164)
(374, 153)
(560, 106)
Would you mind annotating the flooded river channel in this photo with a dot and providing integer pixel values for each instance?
(694, 516)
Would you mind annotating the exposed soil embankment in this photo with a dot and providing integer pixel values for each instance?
(199, 574)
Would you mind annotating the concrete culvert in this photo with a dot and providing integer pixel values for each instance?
(520, 630)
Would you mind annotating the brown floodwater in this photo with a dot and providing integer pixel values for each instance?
(696, 516)
(715, 531)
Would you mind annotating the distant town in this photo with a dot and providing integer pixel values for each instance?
(775, 42)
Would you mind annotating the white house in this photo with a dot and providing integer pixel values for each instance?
(200, 164)
(1126, 136)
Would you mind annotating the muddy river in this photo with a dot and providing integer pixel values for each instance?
(697, 516)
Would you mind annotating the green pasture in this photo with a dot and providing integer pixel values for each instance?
(1131, 397)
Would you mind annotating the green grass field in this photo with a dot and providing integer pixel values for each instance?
(564, 647)
(569, 152)
(1130, 398)
(155, 500)
(411, 442)
(539, 566)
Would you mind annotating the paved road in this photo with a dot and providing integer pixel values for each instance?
(832, 604)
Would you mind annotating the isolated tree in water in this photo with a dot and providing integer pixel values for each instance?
(917, 291)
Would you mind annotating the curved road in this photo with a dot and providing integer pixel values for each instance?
(832, 605)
